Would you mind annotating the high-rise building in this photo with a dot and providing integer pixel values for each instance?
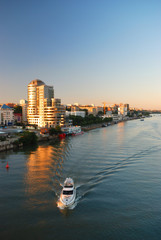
(123, 109)
(23, 104)
(43, 109)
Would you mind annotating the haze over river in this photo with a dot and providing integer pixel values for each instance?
(117, 173)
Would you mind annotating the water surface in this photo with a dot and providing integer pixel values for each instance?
(117, 173)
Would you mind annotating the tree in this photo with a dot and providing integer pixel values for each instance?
(100, 113)
(55, 130)
(52, 131)
(18, 109)
(58, 129)
(28, 138)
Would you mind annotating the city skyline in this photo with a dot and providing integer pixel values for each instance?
(89, 51)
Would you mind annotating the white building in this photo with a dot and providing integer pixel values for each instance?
(117, 117)
(123, 109)
(43, 109)
(7, 117)
(75, 113)
(23, 104)
(107, 115)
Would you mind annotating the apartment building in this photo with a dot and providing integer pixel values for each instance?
(123, 109)
(24, 104)
(43, 109)
(75, 113)
(7, 116)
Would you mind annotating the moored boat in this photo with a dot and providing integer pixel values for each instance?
(72, 131)
(62, 135)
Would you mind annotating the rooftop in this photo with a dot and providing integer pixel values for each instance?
(4, 106)
(37, 82)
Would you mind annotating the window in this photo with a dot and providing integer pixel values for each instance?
(68, 192)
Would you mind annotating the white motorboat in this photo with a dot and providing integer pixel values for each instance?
(68, 193)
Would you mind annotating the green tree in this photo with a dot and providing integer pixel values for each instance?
(18, 109)
(52, 131)
(55, 130)
(88, 120)
(58, 129)
(28, 138)
(100, 113)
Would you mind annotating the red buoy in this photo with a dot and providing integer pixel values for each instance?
(7, 166)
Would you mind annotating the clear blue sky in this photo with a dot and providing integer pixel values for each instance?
(90, 50)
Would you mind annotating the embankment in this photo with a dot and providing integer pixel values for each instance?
(10, 144)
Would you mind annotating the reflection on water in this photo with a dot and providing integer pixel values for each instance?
(62, 207)
(38, 166)
(44, 172)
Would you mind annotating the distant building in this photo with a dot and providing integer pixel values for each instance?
(24, 104)
(127, 106)
(17, 117)
(75, 113)
(99, 109)
(76, 104)
(11, 105)
(7, 117)
(117, 117)
(91, 110)
(114, 108)
(123, 109)
(54, 113)
(74, 108)
(43, 109)
(107, 115)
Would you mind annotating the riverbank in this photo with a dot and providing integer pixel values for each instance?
(91, 127)
(44, 138)
(10, 144)
(99, 125)
(13, 143)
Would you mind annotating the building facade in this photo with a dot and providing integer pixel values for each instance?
(123, 109)
(75, 113)
(17, 117)
(23, 104)
(43, 109)
(7, 116)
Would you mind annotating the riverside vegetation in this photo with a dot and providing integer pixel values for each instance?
(88, 120)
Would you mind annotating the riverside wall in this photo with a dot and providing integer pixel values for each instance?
(9, 144)
(92, 126)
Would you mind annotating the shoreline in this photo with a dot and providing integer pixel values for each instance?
(9, 144)
(99, 125)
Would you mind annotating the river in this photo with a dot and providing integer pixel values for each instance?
(117, 173)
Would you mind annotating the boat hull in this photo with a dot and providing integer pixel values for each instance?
(67, 200)
(76, 134)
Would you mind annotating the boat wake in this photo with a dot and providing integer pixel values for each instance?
(87, 185)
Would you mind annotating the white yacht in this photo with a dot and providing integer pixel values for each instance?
(68, 193)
